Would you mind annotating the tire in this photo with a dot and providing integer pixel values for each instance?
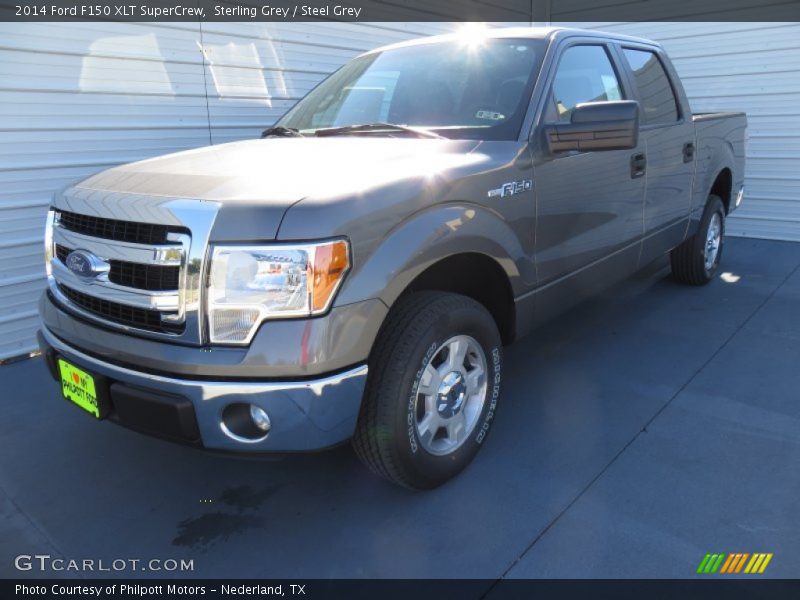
(689, 264)
(418, 440)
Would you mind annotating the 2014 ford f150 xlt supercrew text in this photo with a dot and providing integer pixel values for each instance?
(356, 272)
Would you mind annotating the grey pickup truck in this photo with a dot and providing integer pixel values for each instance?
(356, 272)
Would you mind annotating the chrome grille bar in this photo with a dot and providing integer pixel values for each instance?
(166, 255)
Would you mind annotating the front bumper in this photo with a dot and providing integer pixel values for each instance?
(739, 198)
(305, 415)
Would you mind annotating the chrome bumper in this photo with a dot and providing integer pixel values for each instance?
(305, 415)
(739, 197)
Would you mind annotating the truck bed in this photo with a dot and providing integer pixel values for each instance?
(720, 138)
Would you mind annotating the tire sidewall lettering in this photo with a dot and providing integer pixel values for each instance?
(497, 365)
(412, 398)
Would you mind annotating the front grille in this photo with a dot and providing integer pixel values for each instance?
(120, 231)
(62, 252)
(153, 278)
(142, 280)
(119, 313)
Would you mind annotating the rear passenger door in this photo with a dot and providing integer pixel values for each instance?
(667, 133)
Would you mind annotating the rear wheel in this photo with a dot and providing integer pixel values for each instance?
(432, 389)
(696, 260)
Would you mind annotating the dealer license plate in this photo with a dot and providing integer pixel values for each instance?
(79, 387)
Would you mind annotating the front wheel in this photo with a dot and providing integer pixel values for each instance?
(697, 259)
(432, 389)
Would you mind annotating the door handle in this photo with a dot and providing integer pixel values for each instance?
(688, 152)
(638, 165)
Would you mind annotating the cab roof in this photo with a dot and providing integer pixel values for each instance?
(541, 33)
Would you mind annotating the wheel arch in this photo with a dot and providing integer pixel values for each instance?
(723, 187)
(476, 276)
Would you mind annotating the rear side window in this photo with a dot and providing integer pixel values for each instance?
(659, 104)
(585, 74)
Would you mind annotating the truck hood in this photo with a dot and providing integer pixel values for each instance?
(256, 181)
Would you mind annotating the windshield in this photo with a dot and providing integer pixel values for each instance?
(458, 90)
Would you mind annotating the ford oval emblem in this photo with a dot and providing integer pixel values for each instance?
(85, 263)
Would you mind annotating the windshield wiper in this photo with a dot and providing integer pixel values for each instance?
(368, 127)
(280, 131)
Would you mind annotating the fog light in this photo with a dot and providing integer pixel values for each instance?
(260, 418)
(245, 422)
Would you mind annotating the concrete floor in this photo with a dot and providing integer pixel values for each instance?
(638, 432)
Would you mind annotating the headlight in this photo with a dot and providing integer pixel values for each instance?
(248, 284)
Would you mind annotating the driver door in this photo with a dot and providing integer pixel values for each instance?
(589, 203)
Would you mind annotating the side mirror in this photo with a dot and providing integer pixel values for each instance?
(597, 126)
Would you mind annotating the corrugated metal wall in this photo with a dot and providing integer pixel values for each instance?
(76, 98)
(751, 67)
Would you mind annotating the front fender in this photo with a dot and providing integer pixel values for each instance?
(429, 236)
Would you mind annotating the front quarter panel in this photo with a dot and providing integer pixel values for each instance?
(430, 236)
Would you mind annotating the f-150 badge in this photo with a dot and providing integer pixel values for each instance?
(511, 188)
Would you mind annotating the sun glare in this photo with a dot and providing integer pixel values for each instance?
(473, 34)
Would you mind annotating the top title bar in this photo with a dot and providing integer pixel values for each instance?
(519, 11)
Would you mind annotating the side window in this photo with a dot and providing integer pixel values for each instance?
(585, 74)
(658, 99)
